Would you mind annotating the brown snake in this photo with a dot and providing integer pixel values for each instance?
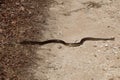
(65, 43)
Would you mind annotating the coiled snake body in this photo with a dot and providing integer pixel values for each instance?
(63, 42)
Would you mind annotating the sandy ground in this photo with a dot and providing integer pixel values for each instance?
(71, 20)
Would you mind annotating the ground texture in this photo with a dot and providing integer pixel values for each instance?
(68, 20)
(20, 20)
(71, 20)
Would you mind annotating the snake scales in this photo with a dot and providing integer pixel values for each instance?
(63, 42)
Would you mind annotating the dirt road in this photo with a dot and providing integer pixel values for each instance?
(71, 20)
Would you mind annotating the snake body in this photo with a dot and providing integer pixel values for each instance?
(25, 42)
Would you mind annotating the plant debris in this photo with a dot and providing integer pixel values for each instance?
(18, 21)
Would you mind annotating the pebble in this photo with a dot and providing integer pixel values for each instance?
(98, 50)
(22, 8)
(29, 12)
(106, 45)
(17, 3)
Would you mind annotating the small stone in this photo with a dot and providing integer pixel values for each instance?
(17, 3)
(13, 22)
(29, 12)
(106, 45)
(98, 50)
(22, 8)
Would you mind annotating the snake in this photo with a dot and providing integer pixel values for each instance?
(28, 42)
